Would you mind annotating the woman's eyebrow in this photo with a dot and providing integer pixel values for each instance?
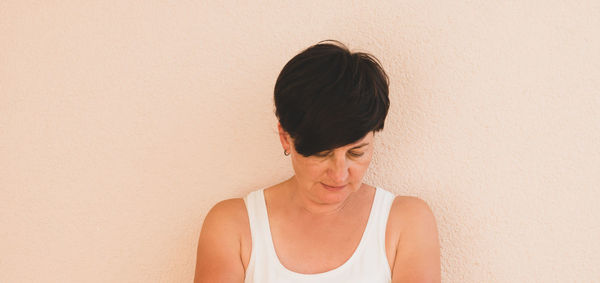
(359, 146)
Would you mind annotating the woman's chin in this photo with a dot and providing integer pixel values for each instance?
(333, 195)
(334, 189)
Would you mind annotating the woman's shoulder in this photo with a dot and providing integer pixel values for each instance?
(407, 206)
(406, 210)
(417, 252)
(220, 242)
(409, 215)
(410, 203)
(231, 210)
(409, 218)
(228, 217)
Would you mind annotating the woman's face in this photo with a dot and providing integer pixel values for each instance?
(331, 176)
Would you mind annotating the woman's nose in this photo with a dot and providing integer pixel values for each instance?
(339, 170)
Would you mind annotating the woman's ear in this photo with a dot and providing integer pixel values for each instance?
(285, 138)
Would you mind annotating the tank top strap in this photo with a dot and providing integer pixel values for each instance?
(382, 205)
(255, 207)
(260, 233)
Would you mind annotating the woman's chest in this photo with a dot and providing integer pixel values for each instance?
(315, 248)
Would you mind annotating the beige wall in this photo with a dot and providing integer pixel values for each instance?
(123, 122)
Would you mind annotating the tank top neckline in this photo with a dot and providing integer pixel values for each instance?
(332, 272)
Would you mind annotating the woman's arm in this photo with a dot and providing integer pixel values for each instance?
(418, 249)
(218, 258)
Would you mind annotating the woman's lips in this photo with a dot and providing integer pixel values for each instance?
(332, 188)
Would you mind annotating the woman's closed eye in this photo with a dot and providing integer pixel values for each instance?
(356, 154)
(351, 153)
(322, 154)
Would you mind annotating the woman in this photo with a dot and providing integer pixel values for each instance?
(323, 224)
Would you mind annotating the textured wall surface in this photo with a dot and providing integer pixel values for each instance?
(123, 122)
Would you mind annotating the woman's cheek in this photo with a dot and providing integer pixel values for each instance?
(308, 168)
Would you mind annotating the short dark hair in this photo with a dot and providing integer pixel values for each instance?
(327, 97)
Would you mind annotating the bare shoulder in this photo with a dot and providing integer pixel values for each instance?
(409, 209)
(229, 210)
(417, 257)
(219, 246)
(406, 212)
(227, 217)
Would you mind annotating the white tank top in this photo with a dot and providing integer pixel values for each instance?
(368, 263)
